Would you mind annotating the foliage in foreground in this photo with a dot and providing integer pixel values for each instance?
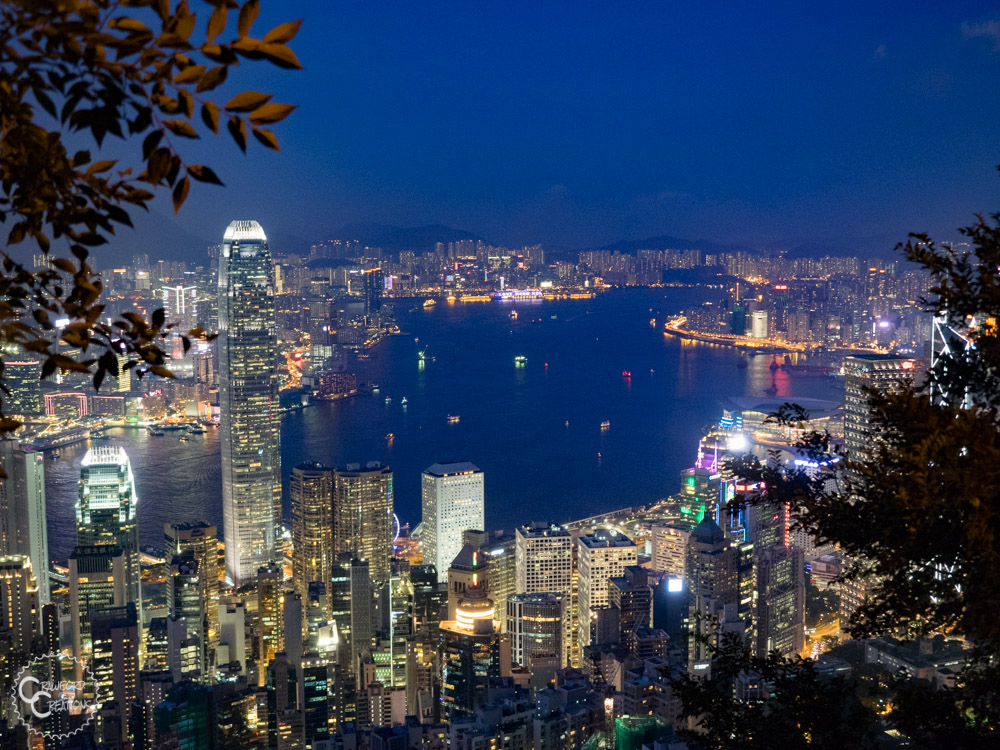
(79, 69)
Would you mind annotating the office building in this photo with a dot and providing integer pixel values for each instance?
(22, 376)
(452, 502)
(601, 556)
(249, 427)
(362, 614)
(19, 605)
(363, 521)
(535, 624)
(881, 373)
(115, 660)
(270, 592)
(544, 559)
(469, 654)
(186, 605)
(713, 579)
(311, 490)
(23, 521)
(106, 509)
(97, 579)
(201, 540)
(781, 601)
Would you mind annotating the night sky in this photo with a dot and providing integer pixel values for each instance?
(575, 124)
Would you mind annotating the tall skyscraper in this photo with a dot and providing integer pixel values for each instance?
(23, 523)
(714, 582)
(200, 539)
(97, 580)
(18, 603)
(362, 516)
(106, 512)
(601, 556)
(311, 489)
(452, 502)
(248, 402)
(22, 376)
(469, 654)
(535, 626)
(544, 559)
(879, 372)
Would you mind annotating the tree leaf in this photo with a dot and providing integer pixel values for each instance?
(238, 129)
(101, 166)
(284, 32)
(248, 14)
(210, 116)
(212, 78)
(203, 174)
(280, 55)
(180, 192)
(266, 137)
(181, 127)
(190, 74)
(216, 22)
(271, 113)
(247, 101)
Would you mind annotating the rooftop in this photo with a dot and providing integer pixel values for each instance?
(450, 469)
(239, 231)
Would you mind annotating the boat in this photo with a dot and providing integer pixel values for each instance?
(774, 363)
(98, 436)
(513, 314)
(567, 423)
(156, 432)
(403, 401)
(55, 456)
(515, 294)
(605, 425)
(388, 400)
(520, 360)
(195, 430)
(453, 419)
(375, 388)
(430, 302)
(389, 436)
(742, 363)
(626, 373)
(183, 438)
(66, 436)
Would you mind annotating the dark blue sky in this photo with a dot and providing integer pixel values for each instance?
(578, 123)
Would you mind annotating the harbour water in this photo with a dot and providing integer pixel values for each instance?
(535, 428)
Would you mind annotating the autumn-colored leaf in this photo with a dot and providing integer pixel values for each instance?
(238, 129)
(180, 127)
(266, 137)
(203, 174)
(247, 101)
(210, 116)
(280, 55)
(180, 192)
(190, 74)
(283, 33)
(271, 113)
(216, 22)
(248, 14)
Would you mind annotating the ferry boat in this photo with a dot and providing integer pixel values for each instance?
(513, 314)
(388, 400)
(196, 430)
(605, 425)
(430, 302)
(156, 432)
(520, 360)
(453, 419)
(403, 401)
(98, 436)
(183, 438)
(512, 294)
(389, 436)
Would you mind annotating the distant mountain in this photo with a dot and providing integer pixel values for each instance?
(419, 239)
(156, 234)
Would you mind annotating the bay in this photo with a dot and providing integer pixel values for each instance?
(513, 419)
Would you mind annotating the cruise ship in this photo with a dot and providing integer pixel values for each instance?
(517, 294)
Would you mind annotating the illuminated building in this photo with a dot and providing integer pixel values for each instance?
(22, 376)
(713, 579)
(311, 489)
(156, 655)
(863, 372)
(535, 623)
(452, 502)
(374, 283)
(317, 684)
(249, 429)
(758, 324)
(700, 489)
(601, 556)
(97, 578)
(363, 521)
(23, 521)
(186, 605)
(362, 616)
(469, 654)
(467, 566)
(338, 602)
(544, 554)
(669, 547)
(115, 659)
(19, 605)
(400, 615)
(232, 636)
(632, 599)
(781, 600)
(106, 512)
(201, 540)
(270, 595)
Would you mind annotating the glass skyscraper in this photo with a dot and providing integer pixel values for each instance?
(106, 512)
(248, 402)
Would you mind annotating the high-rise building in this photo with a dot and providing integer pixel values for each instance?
(713, 579)
(269, 616)
(23, 522)
(469, 654)
(544, 559)
(201, 540)
(781, 600)
(362, 608)
(601, 556)
(374, 283)
(535, 626)
(97, 579)
(19, 604)
(248, 402)
(669, 546)
(311, 490)
(115, 660)
(452, 502)
(363, 520)
(106, 512)
(22, 376)
(186, 606)
(878, 372)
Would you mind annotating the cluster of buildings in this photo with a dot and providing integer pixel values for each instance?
(342, 635)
